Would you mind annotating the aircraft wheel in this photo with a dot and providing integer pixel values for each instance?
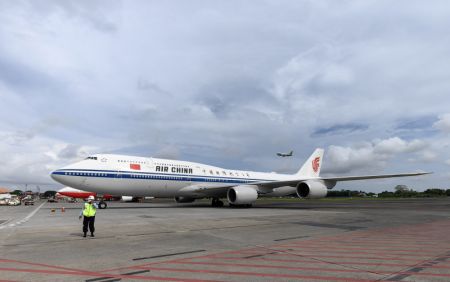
(102, 205)
(216, 203)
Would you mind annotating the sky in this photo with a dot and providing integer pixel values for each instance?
(227, 83)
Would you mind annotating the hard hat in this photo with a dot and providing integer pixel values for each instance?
(91, 198)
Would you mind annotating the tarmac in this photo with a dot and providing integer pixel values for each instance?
(294, 240)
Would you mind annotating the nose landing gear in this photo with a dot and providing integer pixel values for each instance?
(102, 205)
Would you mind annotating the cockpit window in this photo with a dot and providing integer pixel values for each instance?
(91, 158)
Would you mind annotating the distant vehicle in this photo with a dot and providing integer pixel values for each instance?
(285, 154)
(71, 200)
(188, 181)
(28, 200)
(14, 201)
(4, 198)
(52, 200)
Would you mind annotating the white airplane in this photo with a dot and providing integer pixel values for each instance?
(285, 154)
(188, 181)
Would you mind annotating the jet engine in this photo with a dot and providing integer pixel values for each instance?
(242, 195)
(313, 189)
(184, 199)
(127, 198)
(132, 199)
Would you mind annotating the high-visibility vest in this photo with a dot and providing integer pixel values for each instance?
(89, 210)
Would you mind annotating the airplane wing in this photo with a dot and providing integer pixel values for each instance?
(219, 190)
(206, 190)
(363, 177)
(294, 182)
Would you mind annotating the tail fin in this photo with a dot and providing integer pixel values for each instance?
(311, 168)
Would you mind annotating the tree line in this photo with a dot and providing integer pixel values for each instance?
(400, 191)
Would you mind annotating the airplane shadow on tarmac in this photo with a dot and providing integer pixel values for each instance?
(205, 206)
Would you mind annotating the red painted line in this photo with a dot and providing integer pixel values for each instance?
(323, 262)
(315, 251)
(44, 265)
(424, 274)
(315, 262)
(350, 257)
(283, 267)
(137, 277)
(340, 247)
(367, 244)
(377, 241)
(158, 262)
(437, 266)
(241, 273)
(372, 239)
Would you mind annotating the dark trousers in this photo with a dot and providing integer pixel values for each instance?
(88, 221)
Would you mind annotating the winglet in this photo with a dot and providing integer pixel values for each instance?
(311, 168)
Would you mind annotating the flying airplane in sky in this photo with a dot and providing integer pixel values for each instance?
(285, 154)
(187, 181)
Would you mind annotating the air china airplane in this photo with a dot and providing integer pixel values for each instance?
(188, 181)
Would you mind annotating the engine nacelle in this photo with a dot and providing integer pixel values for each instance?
(184, 199)
(132, 199)
(312, 189)
(242, 195)
(127, 198)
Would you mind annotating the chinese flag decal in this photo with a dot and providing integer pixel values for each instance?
(316, 164)
(135, 166)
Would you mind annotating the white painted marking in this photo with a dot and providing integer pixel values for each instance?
(25, 219)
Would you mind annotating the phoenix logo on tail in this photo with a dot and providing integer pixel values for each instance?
(316, 164)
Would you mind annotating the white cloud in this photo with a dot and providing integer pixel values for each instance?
(397, 145)
(223, 85)
(370, 156)
(428, 156)
(443, 124)
(30, 160)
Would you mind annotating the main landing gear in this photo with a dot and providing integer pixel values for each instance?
(216, 202)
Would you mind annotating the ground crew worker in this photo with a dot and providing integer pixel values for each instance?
(89, 210)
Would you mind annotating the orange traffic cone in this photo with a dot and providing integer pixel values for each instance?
(63, 209)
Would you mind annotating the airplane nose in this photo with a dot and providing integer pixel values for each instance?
(57, 175)
(53, 175)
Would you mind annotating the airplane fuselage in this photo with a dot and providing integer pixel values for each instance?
(138, 176)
